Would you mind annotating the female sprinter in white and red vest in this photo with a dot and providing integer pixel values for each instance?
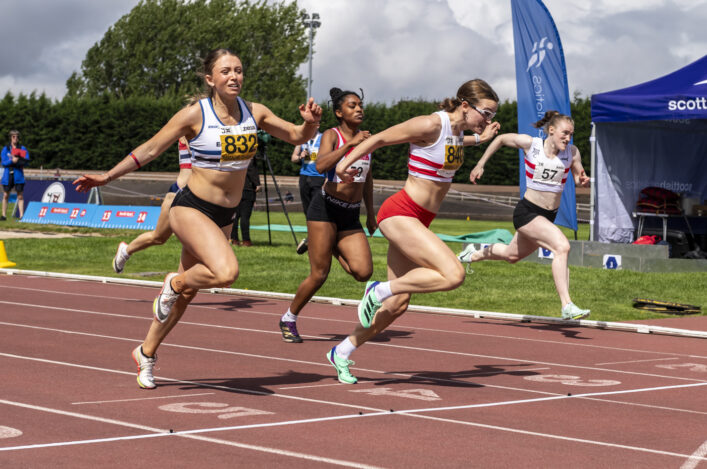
(418, 260)
(547, 166)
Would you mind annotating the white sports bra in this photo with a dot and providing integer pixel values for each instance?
(362, 166)
(224, 147)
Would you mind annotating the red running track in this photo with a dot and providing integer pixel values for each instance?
(433, 391)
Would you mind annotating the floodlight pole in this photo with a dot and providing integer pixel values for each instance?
(312, 24)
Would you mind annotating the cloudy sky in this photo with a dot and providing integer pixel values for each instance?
(395, 49)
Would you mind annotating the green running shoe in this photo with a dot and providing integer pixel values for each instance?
(342, 367)
(572, 312)
(369, 305)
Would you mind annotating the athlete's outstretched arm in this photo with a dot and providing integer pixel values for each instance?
(287, 131)
(181, 124)
(421, 129)
(504, 140)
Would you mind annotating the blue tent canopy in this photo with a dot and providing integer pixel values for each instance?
(651, 134)
(678, 95)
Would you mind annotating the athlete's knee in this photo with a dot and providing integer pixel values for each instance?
(319, 276)
(455, 277)
(362, 275)
(226, 275)
(159, 240)
(513, 258)
(562, 248)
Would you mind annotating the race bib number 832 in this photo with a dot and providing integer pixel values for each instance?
(238, 147)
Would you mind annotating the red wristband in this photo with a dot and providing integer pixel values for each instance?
(137, 162)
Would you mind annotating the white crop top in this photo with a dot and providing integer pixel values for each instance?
(224, 147)
(546, 174)
(439, 161)
(362, 166)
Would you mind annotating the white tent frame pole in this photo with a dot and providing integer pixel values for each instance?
(592, 182)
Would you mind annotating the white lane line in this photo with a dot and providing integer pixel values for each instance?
(144, 398)
(214, 308)
(404, 347)
(157, 433)
(314, 386)
(636, 361)
(591, 396)
(472, 374)
(411, 413)
(696, 457)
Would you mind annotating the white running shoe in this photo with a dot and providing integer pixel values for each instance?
(144, 369)
(165, 300)
(121, 257)
(465, 255)
(572, 312)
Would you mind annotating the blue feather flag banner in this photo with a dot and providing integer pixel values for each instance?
(541, 81)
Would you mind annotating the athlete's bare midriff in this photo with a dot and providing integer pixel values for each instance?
(223, 188)
(426, 193)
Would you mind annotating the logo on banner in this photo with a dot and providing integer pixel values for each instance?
(60, 210)
(539, 52)
(43, 212)
(74, 213)
(106, 215)
(54, 194)
(124, 214)
(141, 217)
(545, 253)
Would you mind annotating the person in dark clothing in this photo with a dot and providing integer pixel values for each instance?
(245, 208)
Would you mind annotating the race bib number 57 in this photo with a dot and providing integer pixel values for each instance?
(238, 147)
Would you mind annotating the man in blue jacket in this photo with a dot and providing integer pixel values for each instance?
(14, 158)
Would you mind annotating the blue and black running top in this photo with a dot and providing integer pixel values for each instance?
(309, 163)
(224, 147)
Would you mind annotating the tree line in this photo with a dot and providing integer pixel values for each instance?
(96, 133)
(147, 64)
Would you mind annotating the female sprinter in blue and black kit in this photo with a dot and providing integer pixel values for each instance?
(333, 224)
(221, 130)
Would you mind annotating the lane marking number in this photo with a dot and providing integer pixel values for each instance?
(420, 394)
(570, 380)
(224, 410)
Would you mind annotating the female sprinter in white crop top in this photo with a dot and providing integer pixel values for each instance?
(418, 261)
(222, 134)
(547, 164)
(333, 224)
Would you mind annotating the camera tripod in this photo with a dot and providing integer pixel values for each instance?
(263, 139)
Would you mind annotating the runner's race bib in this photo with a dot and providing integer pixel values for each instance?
(453, 156)
(238, 147)
(549, 171)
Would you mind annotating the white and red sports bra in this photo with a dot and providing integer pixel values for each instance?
(184, 156)
(439, 161)
(546, 174)
(362, 166)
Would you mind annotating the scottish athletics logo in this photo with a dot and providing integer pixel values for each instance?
(539, 52)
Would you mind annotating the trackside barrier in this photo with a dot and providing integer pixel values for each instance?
(614, 326)
(93, 216)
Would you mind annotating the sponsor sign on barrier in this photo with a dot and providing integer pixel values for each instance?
(95, 216)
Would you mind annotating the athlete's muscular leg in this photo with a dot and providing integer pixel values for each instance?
(216, 264)
(160, 234)
(354, 254)
(158, 331)
(393, 307)
(322, 236)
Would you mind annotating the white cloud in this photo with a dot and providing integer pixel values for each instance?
(396, 49)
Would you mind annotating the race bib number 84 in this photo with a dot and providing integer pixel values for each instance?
(238, 147)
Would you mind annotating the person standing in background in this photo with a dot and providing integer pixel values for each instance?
(245, 208)
(14, 159)
(310, 180)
